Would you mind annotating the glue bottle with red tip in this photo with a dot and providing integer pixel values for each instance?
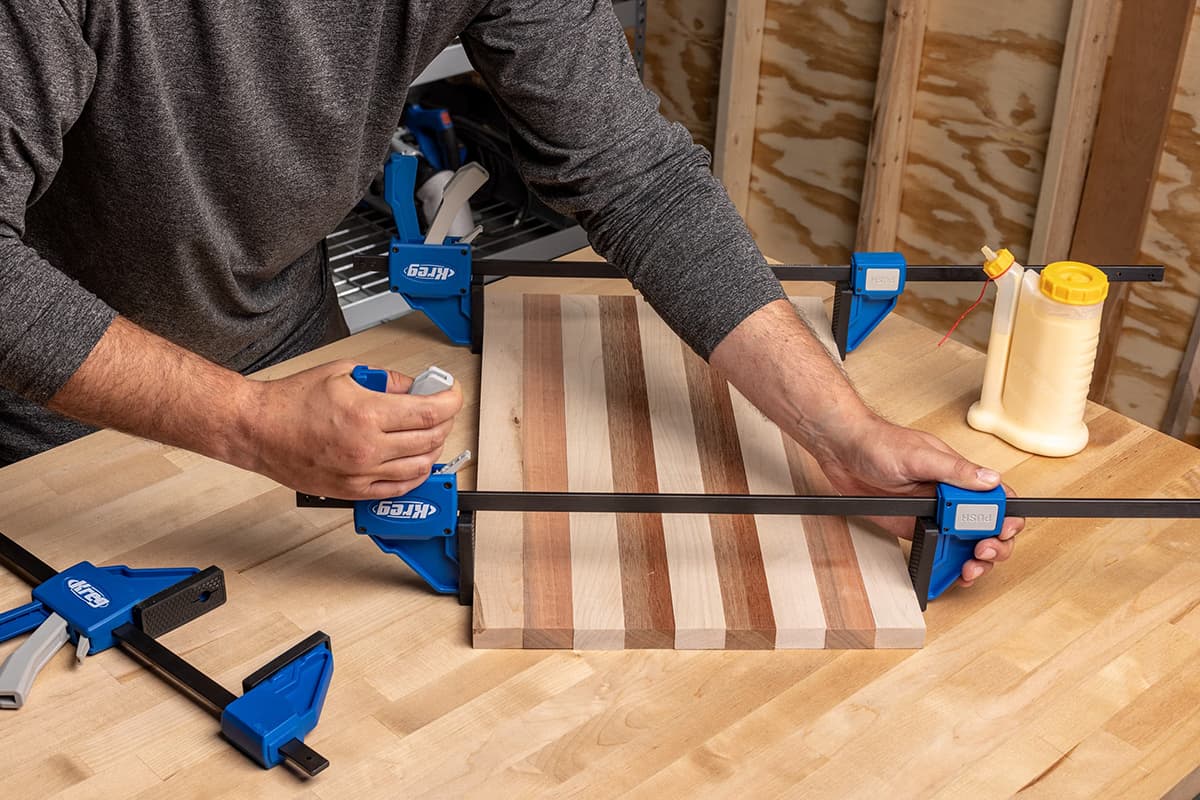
(1041, 352)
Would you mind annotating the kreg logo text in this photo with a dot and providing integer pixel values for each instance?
(87, 593)
(429, 272)
(404, 509)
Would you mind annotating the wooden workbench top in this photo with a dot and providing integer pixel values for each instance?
(1073, 670)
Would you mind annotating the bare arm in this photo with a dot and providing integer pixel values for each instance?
(317, 431)
(776, 362)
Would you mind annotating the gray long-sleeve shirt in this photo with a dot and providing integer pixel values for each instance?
(178, 161)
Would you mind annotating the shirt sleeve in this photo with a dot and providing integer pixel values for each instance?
(48, 322)
(590, 142)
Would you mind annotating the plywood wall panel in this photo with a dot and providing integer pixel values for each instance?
(819, 63)
(982, 123)
(683, 61)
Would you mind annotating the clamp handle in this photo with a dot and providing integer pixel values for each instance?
(22, 620)
(399, 184)
(23, 664)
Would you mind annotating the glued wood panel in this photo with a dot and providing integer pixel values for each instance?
(611, 400)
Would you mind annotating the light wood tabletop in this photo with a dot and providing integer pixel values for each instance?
(1073, 670)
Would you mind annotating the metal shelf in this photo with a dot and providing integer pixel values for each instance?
(365, 295)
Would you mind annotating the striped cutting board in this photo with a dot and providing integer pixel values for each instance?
(586, 393)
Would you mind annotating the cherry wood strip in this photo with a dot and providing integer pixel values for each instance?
(695, 583)
(498, 612)
(749, 619)
(645, 577)
(597, 605)
(851, 624)
(547, 546)
(795, 599)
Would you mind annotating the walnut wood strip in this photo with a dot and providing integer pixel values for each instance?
(645, 578)
(499, 608)
(598, 609)
(695, 583)
(547, 547)
(749, 619)
(848, 616)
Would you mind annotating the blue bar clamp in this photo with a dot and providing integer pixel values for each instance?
(434, 278)
(422, 527)
(876, 283)
(942, 545)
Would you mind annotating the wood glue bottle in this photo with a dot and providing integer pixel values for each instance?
(1042, 348)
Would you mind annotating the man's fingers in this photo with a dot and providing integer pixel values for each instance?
(994, 550)
(973, 570)
(410, 413)
(407, 470)
(401, 444)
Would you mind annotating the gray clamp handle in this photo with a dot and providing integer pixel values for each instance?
(23, 665)
(431, 381)
(467, 181)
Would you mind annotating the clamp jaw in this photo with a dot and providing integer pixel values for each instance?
(86, 604)
(280, 705)
(432, 273)
(877, 281)
(943, 544)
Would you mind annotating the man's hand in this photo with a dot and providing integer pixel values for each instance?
(881, 458)
(318, 432)
(321, 433)
(777, 363)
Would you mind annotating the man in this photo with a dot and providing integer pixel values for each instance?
(169, 169)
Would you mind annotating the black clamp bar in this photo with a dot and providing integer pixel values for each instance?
(840, 276)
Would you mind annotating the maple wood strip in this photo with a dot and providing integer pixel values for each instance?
(899, 622)
(749, 619)
(547, 546)
(695, 584)
(599, 613)
(848, 615)
(795, 599)
(499, 606)
(645, 577)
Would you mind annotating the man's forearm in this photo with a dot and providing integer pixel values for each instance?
(142, 384)
(778, 364)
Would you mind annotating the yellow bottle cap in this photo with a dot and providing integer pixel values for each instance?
(997, 263)
(1074, 283)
